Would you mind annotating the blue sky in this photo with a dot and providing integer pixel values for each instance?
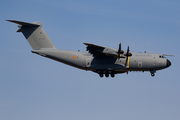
(33, 87)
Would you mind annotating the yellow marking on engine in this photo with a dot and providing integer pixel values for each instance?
(128, 62)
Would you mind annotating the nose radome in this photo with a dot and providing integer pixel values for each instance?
(168, 63)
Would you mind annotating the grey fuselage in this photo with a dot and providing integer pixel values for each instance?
(95, 63)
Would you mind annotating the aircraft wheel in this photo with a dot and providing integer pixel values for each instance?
(112, 75)
(101, 75)
(152, 74)
(107, 75)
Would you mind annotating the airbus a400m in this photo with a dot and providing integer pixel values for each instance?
(102, 60)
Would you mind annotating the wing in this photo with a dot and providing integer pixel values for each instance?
(96, 49)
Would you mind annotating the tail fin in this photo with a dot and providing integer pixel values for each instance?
(35, 34)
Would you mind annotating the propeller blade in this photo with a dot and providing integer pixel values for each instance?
(119, 48)
(119, 51)
(128, 53)
(127, 57)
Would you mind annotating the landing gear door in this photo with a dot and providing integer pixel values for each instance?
(88, 62)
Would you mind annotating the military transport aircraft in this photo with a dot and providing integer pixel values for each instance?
(102, 60)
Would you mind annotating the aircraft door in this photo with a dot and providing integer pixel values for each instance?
(88, 62)
(140, 65)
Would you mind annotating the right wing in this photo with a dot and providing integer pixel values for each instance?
(96, 49)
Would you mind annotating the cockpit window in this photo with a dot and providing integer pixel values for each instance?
(161, 56)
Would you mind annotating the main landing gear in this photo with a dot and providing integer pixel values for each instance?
(106, 73)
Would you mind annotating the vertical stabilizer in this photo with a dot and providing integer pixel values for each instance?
(35, 34)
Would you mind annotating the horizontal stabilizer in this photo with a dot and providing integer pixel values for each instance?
(23, 23)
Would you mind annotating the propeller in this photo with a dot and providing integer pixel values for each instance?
(120, 51)
(128, 54)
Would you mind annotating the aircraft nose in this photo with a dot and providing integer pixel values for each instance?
(168, 63)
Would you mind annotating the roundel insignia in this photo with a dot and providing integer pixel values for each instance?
(74, 57)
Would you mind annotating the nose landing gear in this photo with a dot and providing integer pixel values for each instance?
(153, 73)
